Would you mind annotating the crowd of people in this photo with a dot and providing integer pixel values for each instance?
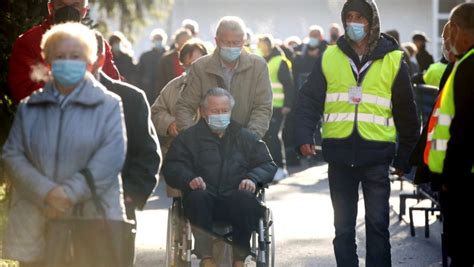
(93, 128)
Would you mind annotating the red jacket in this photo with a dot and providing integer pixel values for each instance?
(27, 53)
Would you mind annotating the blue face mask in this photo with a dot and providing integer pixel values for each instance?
(68, 72)
(116, 48)
(313, 42)
(157, 44)
(356, 31)
(218, 122)
(230, 54)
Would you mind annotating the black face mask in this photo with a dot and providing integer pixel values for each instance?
(66, 14)
(334, 36)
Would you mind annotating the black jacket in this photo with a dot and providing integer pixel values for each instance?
(303, 64)
(126, 67)
(459, 157)
(354, 150)
(166, 70)
(147, 72)
(424, 59)
(142, 162)
(222, 162)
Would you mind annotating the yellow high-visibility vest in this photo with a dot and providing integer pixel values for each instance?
(277, 87)
(373, 115)
(433, 74)
(440, 135)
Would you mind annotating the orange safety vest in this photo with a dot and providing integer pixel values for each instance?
(431, 125)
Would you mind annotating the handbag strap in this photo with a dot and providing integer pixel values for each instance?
(95, 198)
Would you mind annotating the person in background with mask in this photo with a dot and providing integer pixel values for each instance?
(194, 164)
(148, 64)
(366, 119)
(304, 60)
(163, 111)
(143, 158)
(302, 66)
(334, 32)
(169, 67)
(70, 127)
(26, 51)
(448, 136)
(230, 67)
(316, 41)
(283, 91)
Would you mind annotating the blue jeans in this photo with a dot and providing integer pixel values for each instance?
(344, 188)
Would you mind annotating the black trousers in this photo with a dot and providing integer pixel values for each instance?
(455, 206)
(273, 138)
(241, 209)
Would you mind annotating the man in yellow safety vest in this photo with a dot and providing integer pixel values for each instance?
(279, 68)
(361, 90)
(450, 144)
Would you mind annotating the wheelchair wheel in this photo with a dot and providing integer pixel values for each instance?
(178, 241)
(266, 241)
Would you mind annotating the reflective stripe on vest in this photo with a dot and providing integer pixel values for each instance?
(438, 137)
(336, 117)
(277, 88)
(374, 113)
(431, 124)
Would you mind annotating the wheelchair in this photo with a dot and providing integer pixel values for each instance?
(179, 239)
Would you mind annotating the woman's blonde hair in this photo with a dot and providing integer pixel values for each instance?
(70, 31)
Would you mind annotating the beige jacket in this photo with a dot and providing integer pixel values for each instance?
(164, 109)
(250, 86)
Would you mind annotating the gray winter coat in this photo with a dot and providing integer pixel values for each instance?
(48, 146)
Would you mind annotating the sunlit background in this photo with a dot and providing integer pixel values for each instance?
(283, 18)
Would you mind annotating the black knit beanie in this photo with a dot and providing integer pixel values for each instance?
(360, 6)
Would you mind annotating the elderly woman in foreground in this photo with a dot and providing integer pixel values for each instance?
(64, 155)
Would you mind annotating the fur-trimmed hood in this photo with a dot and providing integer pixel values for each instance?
(374, 32)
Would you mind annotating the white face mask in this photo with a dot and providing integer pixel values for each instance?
(218, 122)
(452, 42)
(445, 51)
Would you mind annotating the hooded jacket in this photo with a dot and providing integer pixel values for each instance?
(26, 53)
(354, 150)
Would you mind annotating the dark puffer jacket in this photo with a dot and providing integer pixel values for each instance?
(222, 162)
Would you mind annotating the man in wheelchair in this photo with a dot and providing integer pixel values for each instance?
(218, 165)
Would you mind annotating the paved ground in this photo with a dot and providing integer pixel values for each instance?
(303, 226)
